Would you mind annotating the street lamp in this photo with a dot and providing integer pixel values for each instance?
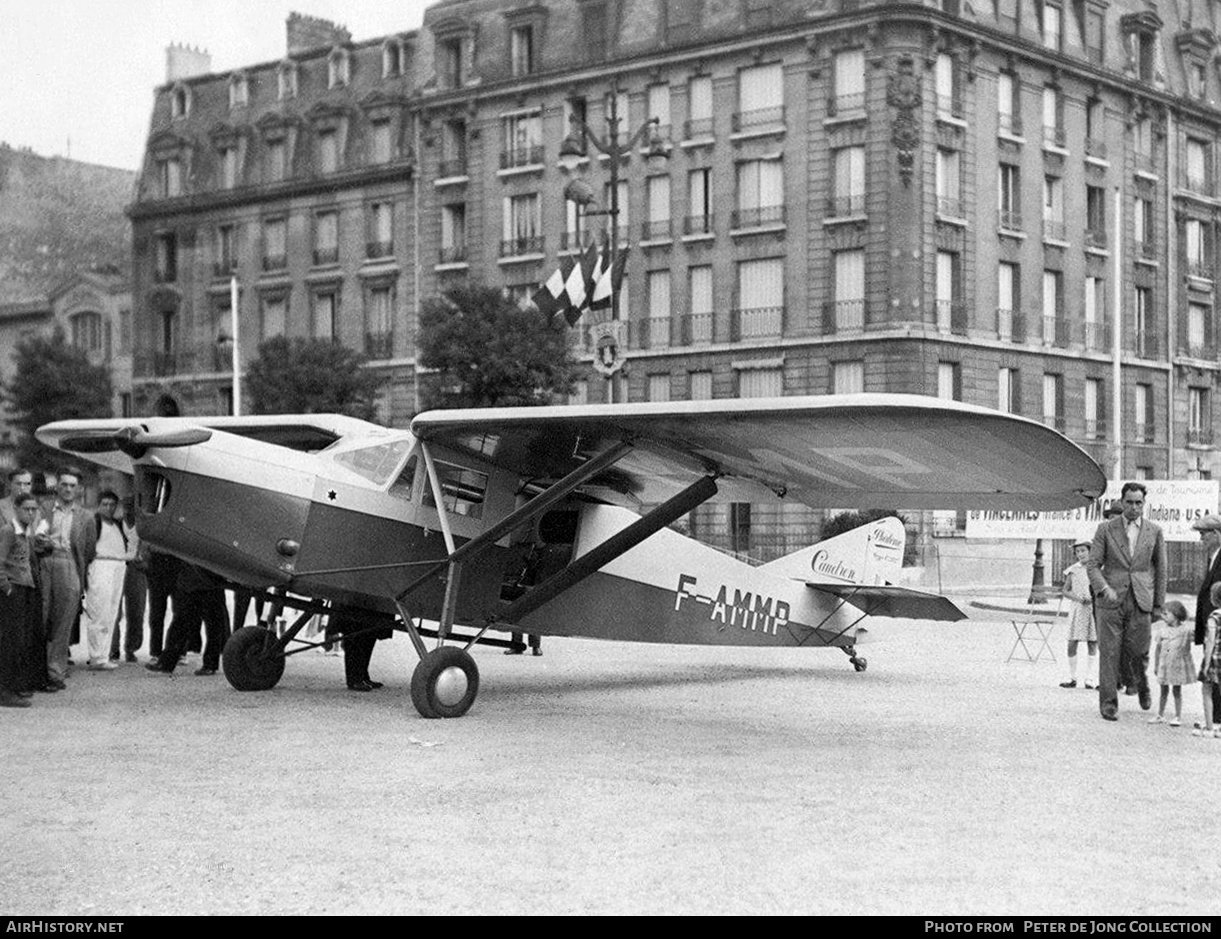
(572, 151)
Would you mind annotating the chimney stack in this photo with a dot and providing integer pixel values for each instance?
(313, 32)
(183, 62)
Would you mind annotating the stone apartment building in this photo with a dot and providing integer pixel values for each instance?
(1012, 203)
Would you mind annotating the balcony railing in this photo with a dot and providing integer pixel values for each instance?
(517, 247)
(845, 206)
(1053, 136)
(1055, 331)
(1011, 220)
(379, 345)
(521, 156)
(843, 316)
(1145, 163)
(653, 333)
(224, 268)
(757, 323)
(201, 358)
(454, 254)
(697, 225)
(1006, 324)
(576, 240)
(1097, 337)
(379, 249)
(1199, 437)
(1145, 344)
(1053, 230)
(846, 104)
(155, 364)
(655, 231)
(759, 117)
(951, 317)
(695, 329)
(326, 256)
(757, 218)
(699, 127)
(275, 262)
(1198, 349)
(1010, 124)
(1095, 429)
(447, 169)
(1095, 148)
(950, 106)
(1200, 269)
(1096, 238)
(1147, 249)
(1196, 184)
(1144, 432)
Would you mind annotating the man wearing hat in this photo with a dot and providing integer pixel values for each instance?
(1209, 528)
(1080, 614)
(1127, 567)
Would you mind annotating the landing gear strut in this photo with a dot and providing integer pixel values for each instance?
(859, 662)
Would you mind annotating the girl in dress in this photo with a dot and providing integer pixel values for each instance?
(1210, 666)
(1080, 616)
(1172, 662)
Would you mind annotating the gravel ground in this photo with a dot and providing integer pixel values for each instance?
(611, 778)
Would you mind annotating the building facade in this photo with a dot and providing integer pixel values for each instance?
(1011, 203)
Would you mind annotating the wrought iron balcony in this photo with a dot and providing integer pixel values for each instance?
(521, 156)
(447, 169)
(454, 254)
(1011, 220)
(700, 127)
(1145, 344)
(1053, 230)
(845, 206)
(655, 231)
(576, 240)
(1055, 330)
(757, 218)
(275, 262)
(951, 317)
(224, 268)
(1202, 270)
(1144, 433)
(1095, 430)
(516, 247)
(1097, 337)
(695, 329)
(1199, 437)
(324, 256)
(697, 225)
(950, 207)
(1095, 148)
(757, 323)
(950, 106)
(379, 249)
(843, 316)
(1096, 238)
(846, 104)
(379, 345)
(759, 117)
(1010, 124)
(1053, 136)
(653, 333)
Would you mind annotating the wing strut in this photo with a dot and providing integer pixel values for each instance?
(532, 509)
(618, 544)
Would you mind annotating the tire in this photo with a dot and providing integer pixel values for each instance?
(445, 683)
(249, 660)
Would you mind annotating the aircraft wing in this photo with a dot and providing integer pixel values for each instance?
(895, 602)
(857, 451)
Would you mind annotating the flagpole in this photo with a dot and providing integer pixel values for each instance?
(237, 370)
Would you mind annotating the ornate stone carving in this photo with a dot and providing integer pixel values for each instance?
(903, 94)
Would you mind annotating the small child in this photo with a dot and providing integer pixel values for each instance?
(1172, 662)
(1080, 616)
(1210, 666)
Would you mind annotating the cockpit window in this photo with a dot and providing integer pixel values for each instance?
(404, 486)
(375, 464)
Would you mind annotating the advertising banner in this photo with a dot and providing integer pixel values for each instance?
(1173, 503)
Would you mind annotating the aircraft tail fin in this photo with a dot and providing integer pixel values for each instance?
(869, 554)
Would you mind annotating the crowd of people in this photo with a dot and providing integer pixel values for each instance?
(69, 574)
(1116, 591)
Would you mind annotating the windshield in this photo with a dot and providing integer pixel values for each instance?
(376, 463)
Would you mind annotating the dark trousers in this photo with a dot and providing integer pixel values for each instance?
(190, 609)
(1123, 634)
(23, 663)
(357, 652)
(135, 595)
(161, 576)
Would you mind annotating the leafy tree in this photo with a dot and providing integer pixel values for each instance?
(310, 376)
(53, 381)
(490, 352)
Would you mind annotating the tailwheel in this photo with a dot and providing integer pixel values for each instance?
(251, 659)
(445, 683)
(859, 662)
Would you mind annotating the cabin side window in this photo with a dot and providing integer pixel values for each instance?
(404, 486)
(374, 463)
(464, 490)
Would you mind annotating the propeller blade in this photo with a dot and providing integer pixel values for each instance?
(90, 443)
(176, 438)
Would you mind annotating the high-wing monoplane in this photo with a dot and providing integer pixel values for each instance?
(476, 523)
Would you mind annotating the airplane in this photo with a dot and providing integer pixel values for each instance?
(553, 520)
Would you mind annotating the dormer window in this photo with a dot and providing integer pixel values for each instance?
(239, 91)
(180, 102)
(286, 81)
(1196, 79)
(338, 68)
(1051, 26)
(392, 59)
(1140, 32)
(449, 62)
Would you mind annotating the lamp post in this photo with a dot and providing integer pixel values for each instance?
(572, 151)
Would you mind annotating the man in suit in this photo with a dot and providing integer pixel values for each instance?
(1127, 568)
(65, 540)
(20, 483)
(1209, 528)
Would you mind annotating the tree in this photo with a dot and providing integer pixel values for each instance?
(310, 376)
(490, 352)
(53, 381)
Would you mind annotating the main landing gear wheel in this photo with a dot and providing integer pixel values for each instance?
(859, 662)
(445, 683)
(250, 659)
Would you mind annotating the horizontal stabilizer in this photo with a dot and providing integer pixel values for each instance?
(896, 602)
